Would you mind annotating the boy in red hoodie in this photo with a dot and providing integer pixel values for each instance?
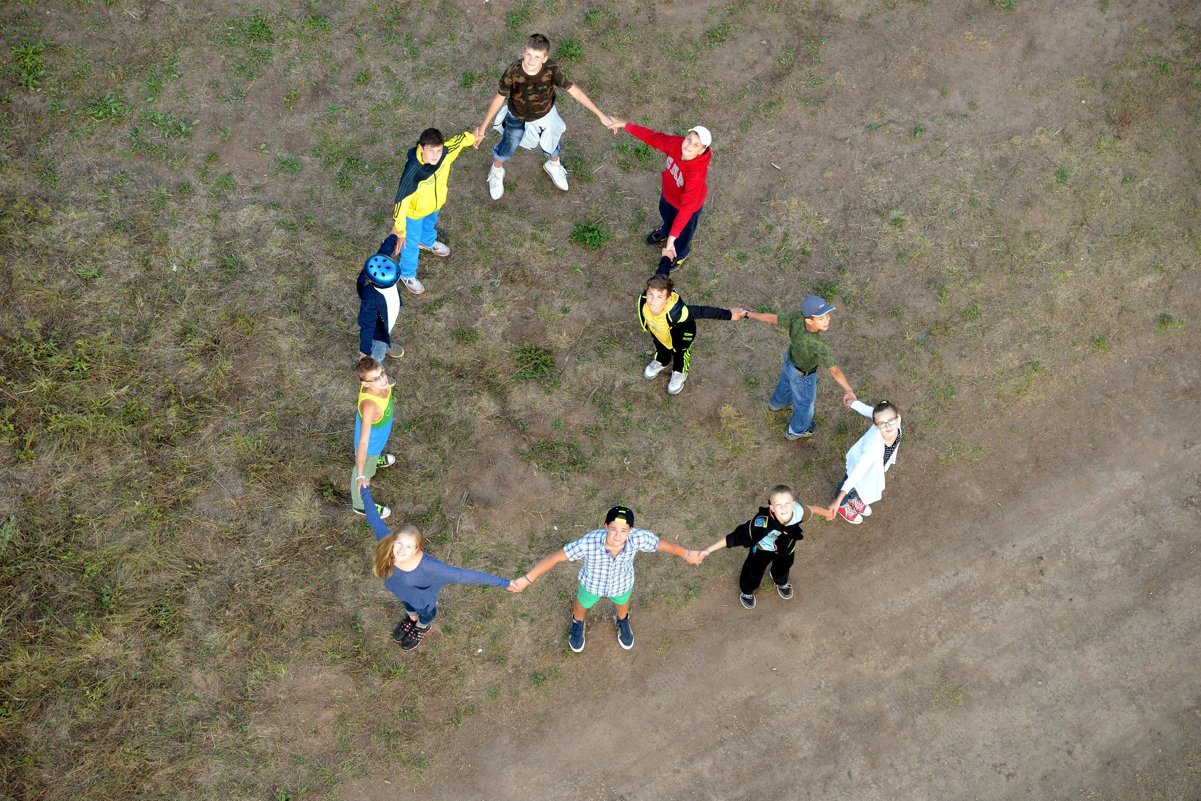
(684, 184)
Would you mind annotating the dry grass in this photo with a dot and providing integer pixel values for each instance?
(187, 606)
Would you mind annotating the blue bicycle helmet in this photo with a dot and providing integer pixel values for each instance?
(382, 271)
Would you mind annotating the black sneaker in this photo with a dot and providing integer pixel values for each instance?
(679, 262)
(625, 634)
(655, 238)
(414, 637)
(403, 628)
(785, 591)
(575, 638)
(747, 601)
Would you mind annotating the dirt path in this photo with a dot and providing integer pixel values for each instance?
(1038, 639)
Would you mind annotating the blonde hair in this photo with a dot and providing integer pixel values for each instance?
(385, 562)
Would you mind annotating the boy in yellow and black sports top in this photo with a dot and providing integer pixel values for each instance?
(672, 325)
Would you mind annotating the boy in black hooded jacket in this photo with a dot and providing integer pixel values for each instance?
(771, 535)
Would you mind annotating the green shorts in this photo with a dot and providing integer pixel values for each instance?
(588, 599)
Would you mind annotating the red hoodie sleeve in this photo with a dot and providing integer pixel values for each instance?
(664, 143)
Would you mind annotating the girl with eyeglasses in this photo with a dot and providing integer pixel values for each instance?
(867, 462)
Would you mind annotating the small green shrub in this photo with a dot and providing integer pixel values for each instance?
(592, 235)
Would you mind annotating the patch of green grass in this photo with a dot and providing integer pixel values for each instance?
(1062, 174)
(469, 78)
(535, 363)
(1004, 5)
(828, 290)
(291, 165)
(255, 27)
(362, 78)
(517, 18)
(570, 50)
(1099, 344)
(632, 154)
(1166, 323)
(465, 336)
(972, 312)
(168, 125)
(591, 235)
(577, 166)
(108, 107)
(917, 130)
(30, 63)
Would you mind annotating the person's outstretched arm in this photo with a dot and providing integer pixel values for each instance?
(575, 91)
(493, 107)
(378, 526)
(762, 317)
(449, 574)
(848, 394)
(740, 536)
(689, 556)
(370, 413)
(544, 566)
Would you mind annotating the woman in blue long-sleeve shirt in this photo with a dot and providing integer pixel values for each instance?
(415, 577)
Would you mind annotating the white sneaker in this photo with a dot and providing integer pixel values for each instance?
(653, 369)
(676, 385)
(438, 248)
(496, 182)
(557, 174)
(414, 285)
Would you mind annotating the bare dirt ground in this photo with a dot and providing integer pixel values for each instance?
(1006, 634)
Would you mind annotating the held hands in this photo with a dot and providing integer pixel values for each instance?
(518, 584)
(362, 481)
(738, 314)
(478, 133)
(400, 243)
(694, 557)
(824, 511)
(613, 123)
(848, 398)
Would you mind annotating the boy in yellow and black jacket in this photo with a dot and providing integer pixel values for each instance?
(672, 326)
(422, 191)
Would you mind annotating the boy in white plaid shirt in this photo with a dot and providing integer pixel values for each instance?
(608, 570)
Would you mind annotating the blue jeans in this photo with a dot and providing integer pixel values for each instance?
(379, 350)
(851, 493)
(510, 139)
(418, 232)
(425, 617)
(798, 390)
(684, 240)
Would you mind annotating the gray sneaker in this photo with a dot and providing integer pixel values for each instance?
(747, 601)
(676, 385)
(653, 369)
(785, 591)
(575, 639)
(625, 634)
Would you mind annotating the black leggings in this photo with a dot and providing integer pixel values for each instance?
(680, 356)
(756, 563)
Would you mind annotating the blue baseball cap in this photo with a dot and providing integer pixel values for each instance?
(813, 306)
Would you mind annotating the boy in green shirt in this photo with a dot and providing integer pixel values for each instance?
(806, 352)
